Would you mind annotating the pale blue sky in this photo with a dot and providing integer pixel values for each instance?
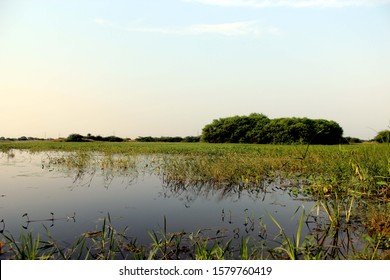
(166, 68)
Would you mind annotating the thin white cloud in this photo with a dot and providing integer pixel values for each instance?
(292, 3)
(239, 28)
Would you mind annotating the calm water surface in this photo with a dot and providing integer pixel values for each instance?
(139, 203)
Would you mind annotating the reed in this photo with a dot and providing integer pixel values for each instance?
(292, 247)
(26, 247)
(166, 245)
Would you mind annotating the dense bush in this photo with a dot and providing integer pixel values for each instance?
(191, 139)
(237, 129)
(352, 140)
(80, 138)
(75, 138)
(112, 139)
(168, 139)
(383, 136)
(258, 128)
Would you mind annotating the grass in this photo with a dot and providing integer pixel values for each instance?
(109, 244)
(288, 246)
(350, 184)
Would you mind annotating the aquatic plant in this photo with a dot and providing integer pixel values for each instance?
(26, 247)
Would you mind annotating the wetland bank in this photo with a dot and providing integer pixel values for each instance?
(194, 201)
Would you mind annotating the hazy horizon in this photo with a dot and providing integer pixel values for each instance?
(168, 68)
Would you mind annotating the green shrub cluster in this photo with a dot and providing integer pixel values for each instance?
(258, 128)
(168, 139)
(80, 138)
(383, 136)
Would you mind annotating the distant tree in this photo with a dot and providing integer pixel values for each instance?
(383, 136)
(144, 139)
(113, 139)
(327, 132)
(256, 133)
(74, 138)
(237, 129)
(286, 131)
(258, 128)
(352, 140)
(191, 139)
(80, 138)
(168, 139)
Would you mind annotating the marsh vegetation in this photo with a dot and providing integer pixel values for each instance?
(263, 201)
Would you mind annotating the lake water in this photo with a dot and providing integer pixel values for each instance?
(138, 201)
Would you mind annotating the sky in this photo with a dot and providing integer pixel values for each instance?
(168, 67)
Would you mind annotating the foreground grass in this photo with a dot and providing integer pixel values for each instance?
(108, 243)
(350, 184)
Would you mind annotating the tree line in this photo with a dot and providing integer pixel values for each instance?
(255, 129)
(168, 139)
(259, 129)
(75, 137)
